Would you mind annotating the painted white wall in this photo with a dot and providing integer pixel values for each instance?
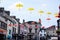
(15, 26)
(9, 27)
(33, 28)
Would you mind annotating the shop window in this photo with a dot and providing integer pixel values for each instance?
(0, 24)
(9, 31)
(14, 30)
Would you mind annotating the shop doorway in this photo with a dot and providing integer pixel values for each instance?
(2, 37)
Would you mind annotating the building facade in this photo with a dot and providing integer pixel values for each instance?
(51, 31)
(9, 25)
(3, 25)
(14, 28)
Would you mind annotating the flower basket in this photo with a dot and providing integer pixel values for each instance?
(58, 31)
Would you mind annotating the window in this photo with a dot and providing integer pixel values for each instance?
(40, 34)
(0, 24)
(9, 31)
(3, 25)
(5, 19)
(14, 30)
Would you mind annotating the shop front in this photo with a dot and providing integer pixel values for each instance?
(15, 36)
(2, 34)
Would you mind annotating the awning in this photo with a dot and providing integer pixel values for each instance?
(15, 35)
(2, 31)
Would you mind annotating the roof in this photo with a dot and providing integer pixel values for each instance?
(29, 22)
(51, 27)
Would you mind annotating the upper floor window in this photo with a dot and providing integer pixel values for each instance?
(3, 25)
(9, 31)
(0, 24)
(14, 30)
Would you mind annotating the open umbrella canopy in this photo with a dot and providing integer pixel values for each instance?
(56, 15)
(48, 19)
(49, 13)
(31, 9)
(19, 5)
(41, 12)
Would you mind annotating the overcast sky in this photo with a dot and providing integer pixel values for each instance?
(23, 13)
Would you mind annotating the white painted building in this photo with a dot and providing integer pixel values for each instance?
(32, 26)
(51, 30)
(14, 28)
(15, 25)
(9, 28)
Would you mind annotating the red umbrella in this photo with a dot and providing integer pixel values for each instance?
(48, 19)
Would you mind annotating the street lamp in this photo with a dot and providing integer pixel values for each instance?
(58, 23)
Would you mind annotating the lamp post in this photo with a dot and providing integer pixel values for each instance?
(58, 23)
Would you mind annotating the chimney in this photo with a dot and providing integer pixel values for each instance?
(39, 20)
(13, 17)
(23, 21)
(7, 12)
(18, 19)
(1, 9)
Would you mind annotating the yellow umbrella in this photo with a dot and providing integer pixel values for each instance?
(19, 5)
(48, 13)
(30, 9)
(41, 12)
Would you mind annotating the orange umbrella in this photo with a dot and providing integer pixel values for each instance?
(56, 15)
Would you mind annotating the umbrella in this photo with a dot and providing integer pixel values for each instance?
(31, 9)
(48, 19)
(19, 5)
(49, 13)
(56, 15)
(40, 12)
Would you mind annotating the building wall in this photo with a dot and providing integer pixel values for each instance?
(3, 23)
(33, 27)
(2, 19)
(15, 25)
(51, 31)
(9, 28)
